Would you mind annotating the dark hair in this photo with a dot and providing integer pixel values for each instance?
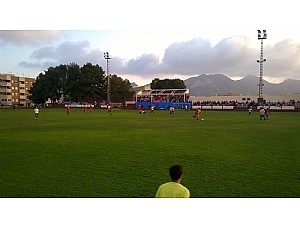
(175, 172)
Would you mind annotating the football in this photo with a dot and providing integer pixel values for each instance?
(202, 119)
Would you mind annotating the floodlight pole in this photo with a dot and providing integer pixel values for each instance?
(261, 37)
(107, 57)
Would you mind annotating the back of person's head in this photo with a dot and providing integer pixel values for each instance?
(175, 172)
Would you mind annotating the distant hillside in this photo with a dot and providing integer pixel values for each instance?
(209, 85)
(133, 84)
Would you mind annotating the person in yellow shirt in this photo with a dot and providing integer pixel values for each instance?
(173, 189)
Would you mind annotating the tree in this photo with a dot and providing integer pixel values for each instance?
(54, 83)
(92, 82)
(78, 84)
(38, 93)
(62, 72)
(49, 85)
(167, 84)
(120, 89)
(73, 90)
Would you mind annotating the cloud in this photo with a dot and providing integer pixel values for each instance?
(283, 59)
(44, 53)
(78, 52)
(38, 65)
(25, 37)
(29, 65)
(199, 56)
(232, 56)
(65, 53)
(184, 57)
(145, 64)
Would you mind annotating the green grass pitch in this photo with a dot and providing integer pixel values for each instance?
(229, 154)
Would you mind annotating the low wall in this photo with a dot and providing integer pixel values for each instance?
(278, 107)
(224, 107)
(163, 105)
(214, 107)
(78, 105)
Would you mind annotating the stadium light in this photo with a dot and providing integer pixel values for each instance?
(261, 36)
(107, 57)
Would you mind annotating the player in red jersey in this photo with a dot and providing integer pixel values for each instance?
(110, 109)
(68, 109)
(141, 110)
(267, 113)
(197, 113)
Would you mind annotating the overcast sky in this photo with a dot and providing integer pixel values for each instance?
(148, 39)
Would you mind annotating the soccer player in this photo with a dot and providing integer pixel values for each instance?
(249, 111)
(110, 109)
(173, 189)
(152, 109)
(197, 113)
(36, 113)
(68, 109)
(84, 108)
(262, 114)
(172, 110)
(140, 109)
(267, 112)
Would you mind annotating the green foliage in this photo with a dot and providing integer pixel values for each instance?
(79, 84)
(167, 84)
(92, 83)
(73, 92)
(93, 154)
(39, 94)
(120, 89)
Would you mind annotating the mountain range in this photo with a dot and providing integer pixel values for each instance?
(220, 84)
